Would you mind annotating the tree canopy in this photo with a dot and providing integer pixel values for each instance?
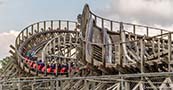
(3, 63)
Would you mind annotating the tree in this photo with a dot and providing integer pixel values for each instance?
(3, 63)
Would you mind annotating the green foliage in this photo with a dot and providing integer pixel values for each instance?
(3, 63)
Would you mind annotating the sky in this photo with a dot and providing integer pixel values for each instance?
(18, 14)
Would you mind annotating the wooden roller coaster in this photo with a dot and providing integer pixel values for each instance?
(92, 54)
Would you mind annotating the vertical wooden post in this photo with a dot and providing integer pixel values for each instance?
(147, 32)
(86, 85)
(60, 24)
(121, 44)
(76, 26)
(64, 38)
(17, 42)
(142, 61)
(57, 85)
(67, 25)
(120, 55)
(95, 19)
(61, 85)
(127, 85)
(58, 62)
(54, 45)
(122, 84)
(23, 36)
(153, 46)
(142, 55)
(162, 40)
(158, 43)
(38, 27)
(161, 32)
(103, 47)
(51, 25)
(134, 29)
(169, 51)
(77, 37)
(1, 87)
(44, 25)
(36, 68)
(92, 85)
(27, 34)
(57, 59)
(129, 36)
(19, 85)
(92, 51)
(45, 61)
(111, 25)
(32, 29)
(33, 88)
(52, 87)
(20, 39)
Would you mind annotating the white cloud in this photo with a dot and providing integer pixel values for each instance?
(2, 1)
(149, 12)
(157, 7)
(6, 39)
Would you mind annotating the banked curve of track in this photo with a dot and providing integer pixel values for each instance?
(37, 35)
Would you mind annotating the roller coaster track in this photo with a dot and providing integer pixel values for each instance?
(137, 47)
(36, 36)
(125, 56)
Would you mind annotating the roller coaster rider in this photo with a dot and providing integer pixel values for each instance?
(62, 68)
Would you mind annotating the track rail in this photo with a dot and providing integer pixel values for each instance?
(129, 43)
(38, 34)
(135, 57)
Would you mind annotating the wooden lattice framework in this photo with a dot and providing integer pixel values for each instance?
(125, 56)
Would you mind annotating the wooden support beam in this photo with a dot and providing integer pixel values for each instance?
(51, 25)
(27, 34)
(134, 29)
(127, 85)
(111, 26)
(32, 29)
(86, 85)
(151, 84)
(147, 31)
(103, 46)
(38, 27)
(142, 55)
(167, 83)
(122, 83)
(12, 52)
(158, 52)
(57, 85)
(23, 32)
(93, 85)
(11, 46)
(44, 25)
(136, 86)
(33, 87)
(99, 86)
(153, 46)
(19, 85)
(169, 51)
(60, 24)
(1, 87)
